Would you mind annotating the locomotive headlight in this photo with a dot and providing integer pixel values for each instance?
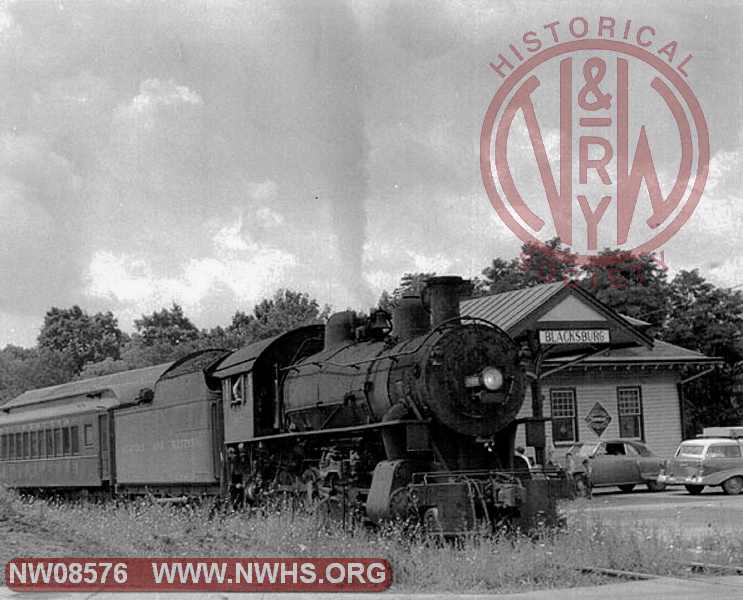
(491, 378)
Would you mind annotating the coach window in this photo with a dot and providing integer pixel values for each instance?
(57, 442)
(34, 447)
(18, 445)
(75, 435)
(11, 448)
(629, 409)
(564, 415)
(88, 434)
(3, 447)
(66, 441)
(49, 443)
(26, 445)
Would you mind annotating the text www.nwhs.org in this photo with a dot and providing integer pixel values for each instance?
(199, 574)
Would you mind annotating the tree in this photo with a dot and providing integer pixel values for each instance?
(82, 337)
(704, 317)
(242, 325)
(411, 283)
(538, 263)
(547, 263)
(708, 319)
(634, 285)
(24, 369)
(501, 276)
(106, 366)
(286, 310)
(168, 326)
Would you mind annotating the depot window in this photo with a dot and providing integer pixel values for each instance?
(629, 409)
(564, 415)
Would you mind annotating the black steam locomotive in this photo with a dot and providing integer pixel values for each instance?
(410, 418)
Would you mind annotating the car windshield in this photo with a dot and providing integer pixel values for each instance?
(640, 449)
(690, 449)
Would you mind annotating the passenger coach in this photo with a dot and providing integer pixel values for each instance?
(62, 436)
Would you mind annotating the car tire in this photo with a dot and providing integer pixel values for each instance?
(656, 486)
(694, 490)
(733, 486)
(627, 488)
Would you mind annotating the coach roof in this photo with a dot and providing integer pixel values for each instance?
(125, 385)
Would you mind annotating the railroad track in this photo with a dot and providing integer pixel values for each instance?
(694, 567)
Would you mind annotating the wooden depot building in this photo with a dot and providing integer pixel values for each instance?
(598, 373)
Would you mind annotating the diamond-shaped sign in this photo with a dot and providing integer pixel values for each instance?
(598, 419)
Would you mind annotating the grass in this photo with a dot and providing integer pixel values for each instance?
(480, 564)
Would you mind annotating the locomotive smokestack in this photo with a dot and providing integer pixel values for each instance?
(443, 298)
(410, 318)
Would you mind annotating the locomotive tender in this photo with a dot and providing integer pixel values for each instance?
(412, 419)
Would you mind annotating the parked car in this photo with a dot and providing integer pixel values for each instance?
(712, 459)
(616, 462)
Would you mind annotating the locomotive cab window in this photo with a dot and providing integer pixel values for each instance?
(238, 389)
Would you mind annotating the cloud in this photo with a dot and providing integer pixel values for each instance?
(39, 245)
(241, 270)
(711, 238)
(263, 191)
(155, 94)
(209, 153)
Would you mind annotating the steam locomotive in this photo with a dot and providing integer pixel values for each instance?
(409, 417)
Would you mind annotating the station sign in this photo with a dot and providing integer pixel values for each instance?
(574, 336)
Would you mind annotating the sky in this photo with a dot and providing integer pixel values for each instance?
(209, 153)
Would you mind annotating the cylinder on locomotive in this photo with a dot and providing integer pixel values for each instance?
(410, 419)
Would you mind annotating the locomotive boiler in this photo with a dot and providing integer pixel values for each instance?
(411, 418)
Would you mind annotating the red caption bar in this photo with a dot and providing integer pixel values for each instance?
(198, 574)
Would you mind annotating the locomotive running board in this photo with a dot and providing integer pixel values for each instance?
(338, 430)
